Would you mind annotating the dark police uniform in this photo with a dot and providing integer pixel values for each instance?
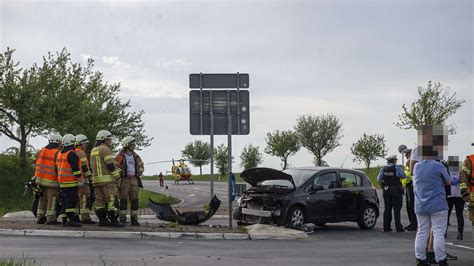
(392, 196)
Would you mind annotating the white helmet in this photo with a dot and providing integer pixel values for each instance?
(80, 138)
(127, 141)
(68, 140)
(55, 138)
(103, 135)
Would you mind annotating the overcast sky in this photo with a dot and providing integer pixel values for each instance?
(359, 60)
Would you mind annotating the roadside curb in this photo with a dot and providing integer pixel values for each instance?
(142, 235)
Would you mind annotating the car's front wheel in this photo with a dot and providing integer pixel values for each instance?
(368, 217)
(295, 217)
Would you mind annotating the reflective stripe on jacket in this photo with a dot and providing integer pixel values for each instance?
(45, 171)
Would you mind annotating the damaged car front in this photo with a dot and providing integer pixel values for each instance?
(271, 193)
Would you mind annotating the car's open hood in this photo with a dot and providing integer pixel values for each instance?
(253, 176)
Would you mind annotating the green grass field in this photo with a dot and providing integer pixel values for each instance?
(144, 195)
(372, 174)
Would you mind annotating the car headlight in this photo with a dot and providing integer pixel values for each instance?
(239, 201)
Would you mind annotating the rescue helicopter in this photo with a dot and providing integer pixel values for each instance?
(179, 170)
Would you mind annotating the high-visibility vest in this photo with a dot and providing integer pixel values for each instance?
(66, 177)
(45, 167)
(471, 158)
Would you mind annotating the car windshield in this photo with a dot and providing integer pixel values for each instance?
(300, 176)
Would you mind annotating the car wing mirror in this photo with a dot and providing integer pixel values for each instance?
(315, 188)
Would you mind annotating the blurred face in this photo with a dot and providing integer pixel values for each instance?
(109, 143)
(84, 145)
(433, 140)
(132, 146)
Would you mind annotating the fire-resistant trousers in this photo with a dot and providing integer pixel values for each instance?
(105, 197)
(128, 191)
(84, 194)
(47, 203)
(69, 200)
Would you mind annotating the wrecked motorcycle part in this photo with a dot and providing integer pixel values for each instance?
(166, 213)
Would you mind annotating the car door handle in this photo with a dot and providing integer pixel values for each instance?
(337, 196)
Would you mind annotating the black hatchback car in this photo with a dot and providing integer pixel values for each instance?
(297, 196)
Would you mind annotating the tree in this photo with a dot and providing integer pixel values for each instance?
(64, 97)
(434, 106)
(368, 148)
(22, 102)
(250, 157)
(282, 144)
(95, 103)
(220, 156)
(319, 134)
(198, 153)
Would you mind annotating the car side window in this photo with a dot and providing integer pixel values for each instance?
(349, 180)
(326, 180)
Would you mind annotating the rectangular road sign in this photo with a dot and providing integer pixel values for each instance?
(219, 81)
(239, 109)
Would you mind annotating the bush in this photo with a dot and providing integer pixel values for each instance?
(12, 179)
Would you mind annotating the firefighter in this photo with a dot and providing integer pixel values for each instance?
(131, 166)
(104, 179)
(84, 192)
(467, 185)
(47, 180)
(69, 176)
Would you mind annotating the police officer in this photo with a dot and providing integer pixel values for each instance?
(389, 179)
(409, 194)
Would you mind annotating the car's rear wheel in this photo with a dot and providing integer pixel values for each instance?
(368, 217)
(295, 217)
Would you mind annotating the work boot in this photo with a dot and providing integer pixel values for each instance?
(134, 221)
(459, 237)
(123, 220)
(41, 220)
(64, 220)
(71, 222)
(53, 222)
(443, 262)
(102, 215)
(422, 263)
(113, 217)
(88, 221)
(77, 219)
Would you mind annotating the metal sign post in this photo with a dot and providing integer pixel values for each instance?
(213, 113)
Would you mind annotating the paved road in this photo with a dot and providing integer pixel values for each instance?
(342, 244)
(334, 244)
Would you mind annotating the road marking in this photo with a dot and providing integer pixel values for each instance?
(191, 195)
(460, 246)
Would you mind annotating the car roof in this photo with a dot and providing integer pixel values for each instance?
(320, 168)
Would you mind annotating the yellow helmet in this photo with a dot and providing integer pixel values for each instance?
(68, 140)
(103, 135)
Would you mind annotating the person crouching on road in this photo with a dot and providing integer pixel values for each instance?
(132, 168)
(69, 176)
(84, 192)
(429, 179)
(389, 179)
(104, 179)
(47, 179)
